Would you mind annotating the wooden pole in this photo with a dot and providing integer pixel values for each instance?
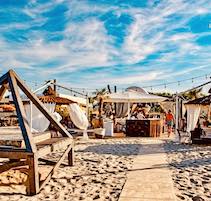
(54, 85)
(109, 89)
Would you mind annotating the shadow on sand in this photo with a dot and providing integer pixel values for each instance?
(114, 149)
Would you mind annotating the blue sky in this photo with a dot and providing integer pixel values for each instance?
(92, 43)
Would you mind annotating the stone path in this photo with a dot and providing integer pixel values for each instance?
(150, 178)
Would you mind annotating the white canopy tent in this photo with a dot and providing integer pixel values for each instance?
(132, 97)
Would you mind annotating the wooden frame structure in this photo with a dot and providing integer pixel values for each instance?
(32, 152)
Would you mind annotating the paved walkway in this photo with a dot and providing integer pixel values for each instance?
(149, 179)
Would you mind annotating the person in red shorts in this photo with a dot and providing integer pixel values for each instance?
(169, 122)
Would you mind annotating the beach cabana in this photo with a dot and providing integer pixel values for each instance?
(129, 97)
(37, 120)
(132, 97)
(194, 108)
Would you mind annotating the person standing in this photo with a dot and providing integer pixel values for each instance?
(169, 122)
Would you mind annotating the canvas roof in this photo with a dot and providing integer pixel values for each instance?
(132, 97)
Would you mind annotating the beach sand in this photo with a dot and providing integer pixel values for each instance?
(99, 173)
(191, 170)
(101, 167)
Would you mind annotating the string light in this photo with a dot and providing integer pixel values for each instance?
(206, 76)
(174, 82)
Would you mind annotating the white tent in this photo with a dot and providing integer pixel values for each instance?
(132, 97)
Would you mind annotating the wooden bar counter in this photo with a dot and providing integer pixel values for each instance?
(144, 128)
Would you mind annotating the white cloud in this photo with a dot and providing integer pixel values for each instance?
(87, 45)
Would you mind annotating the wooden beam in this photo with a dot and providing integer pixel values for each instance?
(14, 154)
(49, 162)
(3, 89)
(41, 107)
(42, 184)
(30, 146)
(7, 166)
(3, 78)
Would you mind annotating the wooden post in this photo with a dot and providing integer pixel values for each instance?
(109, 89)
(33, 175)
(54, 85)
(71, 156)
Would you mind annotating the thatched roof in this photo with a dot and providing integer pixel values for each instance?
(202, 101)
(55, 99)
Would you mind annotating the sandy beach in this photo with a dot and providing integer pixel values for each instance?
(99, 173)
(101, 167)
(191, 170)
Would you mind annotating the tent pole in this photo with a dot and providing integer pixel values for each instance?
(87, 106)
(177, 113)
(30, 116)
(128, 113)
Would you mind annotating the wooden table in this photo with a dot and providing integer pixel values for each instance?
(144, 128)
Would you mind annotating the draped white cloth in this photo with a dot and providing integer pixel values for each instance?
(39, 122)
(193, 112)
(78, 117)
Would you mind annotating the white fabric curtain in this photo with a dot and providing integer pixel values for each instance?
(193, 112)
(121, 110)
(39, 122)
(78, 117)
